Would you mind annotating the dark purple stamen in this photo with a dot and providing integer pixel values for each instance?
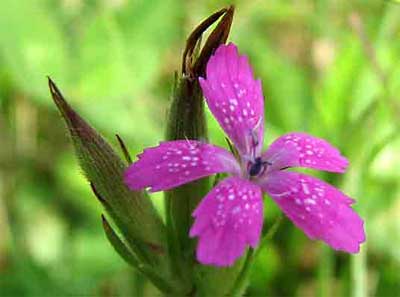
(258, 166)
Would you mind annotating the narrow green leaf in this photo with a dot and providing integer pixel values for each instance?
(119, 246)
(130, 258)
(124, 149)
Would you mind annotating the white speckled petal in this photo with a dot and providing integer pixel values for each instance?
(174, 163)
(303, 150)
(235, 98)
(319, 209)
(227, 220)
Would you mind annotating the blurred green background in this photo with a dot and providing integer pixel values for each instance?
(329, 67)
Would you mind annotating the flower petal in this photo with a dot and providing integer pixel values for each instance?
(174, 163)
(235, 98)
(303, 150)
(228, 219)
(319, 209)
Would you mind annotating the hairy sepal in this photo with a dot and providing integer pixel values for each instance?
(132, 211)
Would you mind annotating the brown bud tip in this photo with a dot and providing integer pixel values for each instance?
(193, 66)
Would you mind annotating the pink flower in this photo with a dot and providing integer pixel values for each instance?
(230, 217)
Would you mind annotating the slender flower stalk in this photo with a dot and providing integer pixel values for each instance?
(230, 217)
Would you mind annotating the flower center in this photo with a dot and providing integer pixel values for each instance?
(257, 167)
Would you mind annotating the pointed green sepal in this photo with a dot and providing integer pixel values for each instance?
(132, 212)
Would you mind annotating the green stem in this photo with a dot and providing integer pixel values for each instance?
(359, 262)
(359, 273)
(242, 279)
(325, 271)
(271, 232)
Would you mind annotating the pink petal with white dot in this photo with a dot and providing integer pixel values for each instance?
(174, 163)
(228, 219)
(303, 150)
(319, 209)
(235, 98)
